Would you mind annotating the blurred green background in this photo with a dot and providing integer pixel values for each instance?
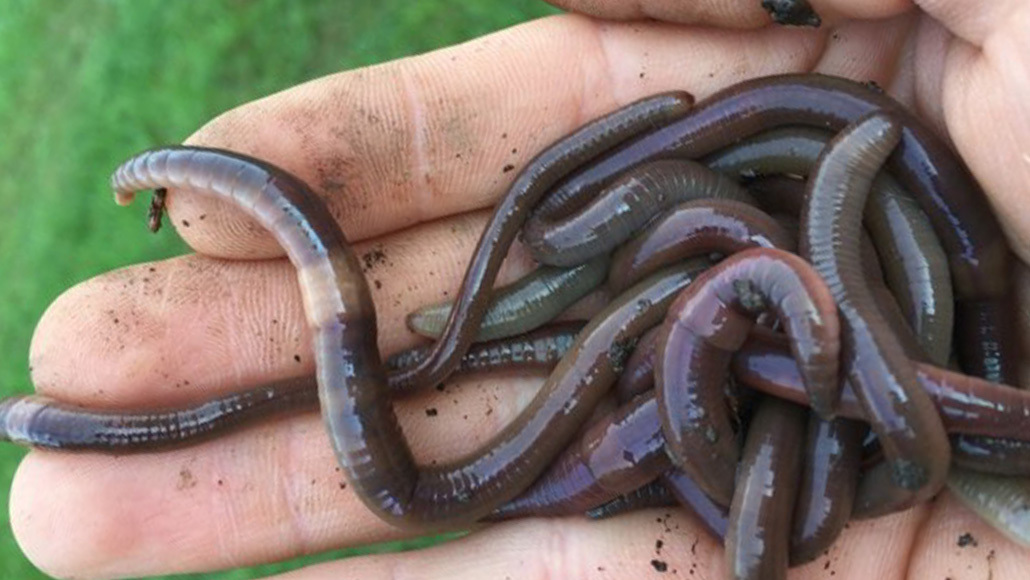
(84, 84)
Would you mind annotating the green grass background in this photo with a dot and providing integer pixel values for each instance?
(84, 84)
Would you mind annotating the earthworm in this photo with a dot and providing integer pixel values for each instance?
(539, 348)
(533, 300)
(41, 421)
(922, 162)
(653, 495)
(623, 208)
(994, 455)
(758, 537)
(827, 486)
(966, 404)
(902, 415)
(355, 402)
(711, 320)
(673, 488)
(692, 229)
(530, 185)
(915, 264)
(618, 454)
(638, 373)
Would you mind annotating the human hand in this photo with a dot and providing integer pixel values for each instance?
(421, 141)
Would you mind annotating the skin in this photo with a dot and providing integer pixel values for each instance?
(953, 65)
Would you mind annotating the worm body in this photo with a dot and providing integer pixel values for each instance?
(369, 444)
(694, 229)
(541, 348)
(528, 303)
(653, 495)
(511, 212)
(884, 379)
(827, 486)
(758, 538)
(1002, 501)
(623, 208)
(620, 453)
(710, 321)
(916, 266)
(967, 405)
(41, 421)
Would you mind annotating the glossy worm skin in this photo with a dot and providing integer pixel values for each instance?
(40, 421)
(994, 455)
(355, 402)
(914, 261)
(757, 546)
(618, 454)
(594, 362)
(638, 374)
(925, 166)
(902, 415)
(623, 208)
(533, 181)
(673, 488)
(977, 252)
(967, 405)
(541, 348)
(653, 495)
(710, 321)
(691, 229)
(533, 300)
(832, 459)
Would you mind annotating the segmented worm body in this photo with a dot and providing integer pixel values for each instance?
(913, 439)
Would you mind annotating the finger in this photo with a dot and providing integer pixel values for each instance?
(416, 139)
(957, 543)
(730, 14)
(867, 50)
(983, 96)
(263, 494)
(648, 544)
(189, 328)
(972, 21)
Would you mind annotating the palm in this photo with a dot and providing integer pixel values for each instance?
(420, 142)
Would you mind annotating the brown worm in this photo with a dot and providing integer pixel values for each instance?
(546, 169)
(900, 412)
(711, 320)
(355, 401)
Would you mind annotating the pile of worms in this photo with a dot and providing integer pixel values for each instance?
(812, 322)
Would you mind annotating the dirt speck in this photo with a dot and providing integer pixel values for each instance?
(372, 258)
(186, 479)
(966, 539)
